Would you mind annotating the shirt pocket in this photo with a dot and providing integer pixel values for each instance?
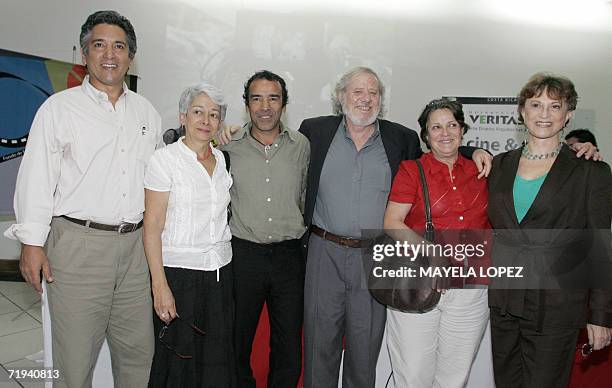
(376, 176)
(88, 145)
(146, 145)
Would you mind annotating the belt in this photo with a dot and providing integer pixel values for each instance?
(344, 241)
(285, 243)
(124, 227)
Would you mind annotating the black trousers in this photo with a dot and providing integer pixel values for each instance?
(207, 303)
(271, 273)
(524, 357)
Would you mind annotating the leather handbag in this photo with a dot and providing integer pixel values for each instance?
(408, 294)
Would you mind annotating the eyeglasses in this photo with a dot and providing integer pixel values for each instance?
(163, 330)
(585, 349)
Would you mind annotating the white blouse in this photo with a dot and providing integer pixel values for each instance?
(196, 234)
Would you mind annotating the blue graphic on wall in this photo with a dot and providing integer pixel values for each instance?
(24, 86)
(25, 83)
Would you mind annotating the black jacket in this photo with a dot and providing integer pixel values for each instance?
(576, 195)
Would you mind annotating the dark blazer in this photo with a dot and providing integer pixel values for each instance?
(400, 143)
(576, 194)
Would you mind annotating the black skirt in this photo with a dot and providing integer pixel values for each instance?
(208, 304)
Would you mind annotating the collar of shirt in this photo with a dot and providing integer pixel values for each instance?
(246, 132)
(97, 95)
(267, 150)
(374, 135)
(290, 134)
(188, 151)
(436, 166)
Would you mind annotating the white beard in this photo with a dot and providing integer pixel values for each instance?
(362, 122)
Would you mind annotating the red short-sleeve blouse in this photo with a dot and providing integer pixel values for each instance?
(457, 202)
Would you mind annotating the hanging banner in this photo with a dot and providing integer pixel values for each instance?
(494, 123)
(25, 83)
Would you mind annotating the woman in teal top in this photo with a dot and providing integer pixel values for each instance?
(543, 189)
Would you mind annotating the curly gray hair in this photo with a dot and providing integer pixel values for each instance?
(345, 80)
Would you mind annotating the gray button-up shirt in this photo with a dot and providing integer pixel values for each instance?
(354, 185)
(269, 186)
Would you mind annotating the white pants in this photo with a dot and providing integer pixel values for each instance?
(436, 349)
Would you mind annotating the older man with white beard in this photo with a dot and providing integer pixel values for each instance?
(354, 156)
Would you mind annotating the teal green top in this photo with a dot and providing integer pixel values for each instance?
(524, 192)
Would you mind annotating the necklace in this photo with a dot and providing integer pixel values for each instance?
(529, 156)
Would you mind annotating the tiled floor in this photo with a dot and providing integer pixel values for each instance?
(20, 330)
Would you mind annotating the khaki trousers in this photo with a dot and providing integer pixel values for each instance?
(101, 290)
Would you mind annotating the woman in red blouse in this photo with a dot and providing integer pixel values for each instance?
(437, 348)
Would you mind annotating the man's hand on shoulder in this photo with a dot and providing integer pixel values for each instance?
(483, 161)
(599, 336)
(33, 260)
(226, 133)
(587, 150)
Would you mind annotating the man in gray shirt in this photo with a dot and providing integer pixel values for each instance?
(354, 156)
(269, 166)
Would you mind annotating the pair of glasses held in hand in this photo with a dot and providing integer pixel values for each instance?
(164, 329)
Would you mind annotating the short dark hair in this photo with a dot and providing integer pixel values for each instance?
(267, 75)
(108, 17)
(583, 135)
(442, 103)
(557, 87)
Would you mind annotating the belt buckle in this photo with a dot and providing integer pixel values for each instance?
(125, 227)
(348, 241)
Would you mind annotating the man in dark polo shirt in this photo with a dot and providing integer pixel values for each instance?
(269, 165)
(354, 156)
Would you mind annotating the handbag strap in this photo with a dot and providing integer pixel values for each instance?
(429, 226)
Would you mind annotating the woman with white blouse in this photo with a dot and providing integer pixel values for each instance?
(187, 243)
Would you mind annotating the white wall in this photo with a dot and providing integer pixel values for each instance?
(423, 49)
